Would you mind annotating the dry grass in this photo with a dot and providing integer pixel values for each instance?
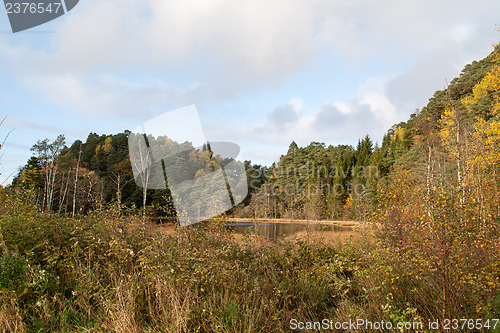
(106, 273)
(121, 308)
(326, 222)
(350, 230)
(165, 228)
(10, 320)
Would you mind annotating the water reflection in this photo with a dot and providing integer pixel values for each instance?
(276, 231)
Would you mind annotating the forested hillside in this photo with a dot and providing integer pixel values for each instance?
(449, 143)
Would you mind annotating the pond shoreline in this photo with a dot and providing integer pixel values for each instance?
(351, 223)
(344, 227)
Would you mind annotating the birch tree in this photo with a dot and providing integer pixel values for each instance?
(48, 155)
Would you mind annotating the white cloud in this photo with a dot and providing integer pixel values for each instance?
(108, 94)
(326, 123)
(225, 46)
(342, 107)
(462, 32)
(297, 103)
(255, 38)
(13, 123)
(382, 107)
(265, 142)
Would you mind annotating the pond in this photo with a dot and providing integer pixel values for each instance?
(277, 231)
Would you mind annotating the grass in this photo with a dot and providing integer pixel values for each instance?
(105, 272)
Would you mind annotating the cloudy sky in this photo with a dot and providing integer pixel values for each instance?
(261, 73)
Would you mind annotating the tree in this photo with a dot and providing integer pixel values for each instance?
(440, 208)
(31, 176)
(364, 151)
(141, 162)
(76, 181)
(4, 140)
(292, 148)
(121, 171)
(342, 178)
(48, 155)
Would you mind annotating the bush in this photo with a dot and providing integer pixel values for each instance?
(106, 271)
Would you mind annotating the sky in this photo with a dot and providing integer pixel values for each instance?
(261, 73)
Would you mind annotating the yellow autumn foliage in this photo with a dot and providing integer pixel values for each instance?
(488, 86)
(398, 134)
(449, 126)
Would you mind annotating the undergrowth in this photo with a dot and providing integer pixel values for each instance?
(107, 272)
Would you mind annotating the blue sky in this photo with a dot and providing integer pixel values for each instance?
(261, 73)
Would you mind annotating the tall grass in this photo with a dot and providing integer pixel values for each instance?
(104, 272)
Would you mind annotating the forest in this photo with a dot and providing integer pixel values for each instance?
(76, 254)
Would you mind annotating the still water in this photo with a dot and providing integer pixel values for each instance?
(276, 231)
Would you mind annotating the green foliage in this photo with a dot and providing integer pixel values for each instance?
(32, 176)
(319, 182)
(364, 151)
(13, 271)
(106, 271)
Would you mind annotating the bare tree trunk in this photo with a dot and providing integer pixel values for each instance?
(102, 193)
(459, 155)
(46, 189)
(119, 187)
(145, 194)
(89, 195)
(76, 181)
(142, 167)
(52, 184)
(118, 191)
(429, 181)
(267, 206)
(63, 197)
